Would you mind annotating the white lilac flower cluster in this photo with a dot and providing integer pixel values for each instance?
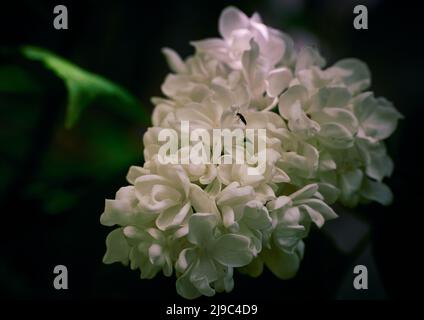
(325, 144)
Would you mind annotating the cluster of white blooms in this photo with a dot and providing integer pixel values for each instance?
(325, 144)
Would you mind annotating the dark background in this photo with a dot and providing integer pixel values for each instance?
(53, 181)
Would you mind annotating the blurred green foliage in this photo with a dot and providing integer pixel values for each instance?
(84, 87)
(49, 163)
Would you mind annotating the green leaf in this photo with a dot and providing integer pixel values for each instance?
(85, 87)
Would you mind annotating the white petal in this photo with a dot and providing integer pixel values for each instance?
(216, 47)
(334, 135)
(326, 162)
(300, 123)
(232, 250)
(174, 84)
(291, 216)
(134, 172)
(202, 201)
(185, 288)
(256, 215)
(350, 183)
(250, 66)
(378, 117)
(321, 207)
(203, 285)
(377, 162)
(240, 41)
(174, 61)
(201, 227)
(377, 191)
(173, 216)
(225, 281)
(117, 212)
(330, 97)
(231, 19)
(233, 196)
(290, 97)
(156, 255)
(355, 74)
(278, 203)
(329, 191)
(185, 258)
(117, 247)
(288, 237)
(271, 43)
(307, 58)
(148, 270)
(209, 176)
(278, 80)
(341, 116)
(306, 192)
(284, 265)
(162, 114)
(304, 160)
(228, 219)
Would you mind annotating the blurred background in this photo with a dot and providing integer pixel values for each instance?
(53, 180)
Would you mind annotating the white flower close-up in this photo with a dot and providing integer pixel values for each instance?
(325, 132)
